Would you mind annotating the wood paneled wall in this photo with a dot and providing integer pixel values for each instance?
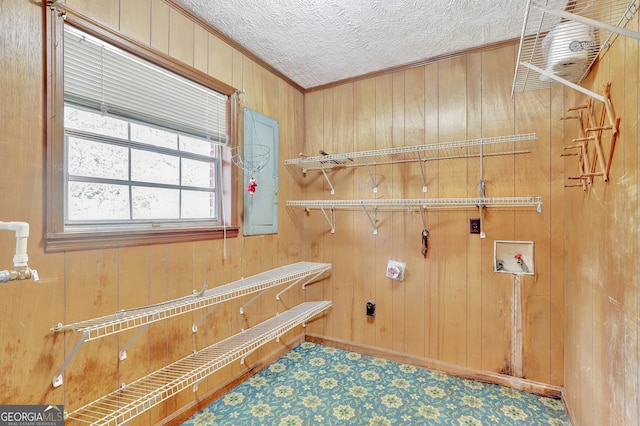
(580, 311)
(451, 307)
(86, 284)
(602, 272)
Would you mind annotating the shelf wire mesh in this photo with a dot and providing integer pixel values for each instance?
(131, 400)
(540, 27)
(498, 145)
(418, 203)
(133, 318)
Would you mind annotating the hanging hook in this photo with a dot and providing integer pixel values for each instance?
(425, 233)
(423, 213)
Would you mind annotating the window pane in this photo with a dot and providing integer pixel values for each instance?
(197, 146)
(198, 173)
(95, 123)
(155, 203)
(198, 204)
(154, 168)
(95, 159)
(97, 201)
(153, 136)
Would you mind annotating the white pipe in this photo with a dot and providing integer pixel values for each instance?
(21, 229)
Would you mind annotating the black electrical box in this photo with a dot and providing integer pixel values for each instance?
(474, 225)
(371, 308)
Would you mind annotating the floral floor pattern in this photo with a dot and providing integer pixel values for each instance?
(319, 385)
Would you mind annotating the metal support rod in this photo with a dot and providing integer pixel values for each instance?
(424, 178)
(373, 180)
(482, 168)
(253, 299)
(372, 220)
(194, 327)
(247, 354)
(423, 212)
(309, 279)
(327, 179)
(123, 353)
(563, 81)
(481, 191)
(57, 378)
(288, 287)
(331, 223)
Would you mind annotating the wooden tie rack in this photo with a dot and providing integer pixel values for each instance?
(588, 147)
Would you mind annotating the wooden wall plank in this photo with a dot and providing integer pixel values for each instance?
(364, 327)
(432, 218)
(452, 180)
(90, 293)
(557, 253)
(160, 25)
(106, 12)
(498, 173)
(200, 49)
(631, 275)
(383, 285)
(475, 262)
(181, 36)
(343, 276)
(221, 60)
(613, 334)
(532, 177)
(398, 220)
(328, 241)
(135, 19)
(133, 292)
(414, 134)
(314, 226)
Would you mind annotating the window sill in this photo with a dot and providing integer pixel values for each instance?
(97, 240)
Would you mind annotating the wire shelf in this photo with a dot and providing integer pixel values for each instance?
(131, 400)
(373, 206)
(128, 319)
(500, 145)
(560, 40)
(418, 204)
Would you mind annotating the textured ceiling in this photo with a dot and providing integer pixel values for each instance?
(316, 42)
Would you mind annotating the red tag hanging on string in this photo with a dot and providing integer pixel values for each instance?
(251, 188)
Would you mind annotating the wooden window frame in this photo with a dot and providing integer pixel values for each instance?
(55, 238)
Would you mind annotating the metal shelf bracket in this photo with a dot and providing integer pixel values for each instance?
(57, 378)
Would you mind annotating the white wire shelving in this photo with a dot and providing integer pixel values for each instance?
(129, 401)
(499, 145)
(371, 206)
(144, 316)
(560, 40)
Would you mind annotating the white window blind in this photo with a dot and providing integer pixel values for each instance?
(104, 78)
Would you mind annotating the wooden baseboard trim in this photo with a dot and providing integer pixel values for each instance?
(452, 369)
(184, 413)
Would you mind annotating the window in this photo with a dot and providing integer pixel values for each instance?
(122, 173)
(136, 155)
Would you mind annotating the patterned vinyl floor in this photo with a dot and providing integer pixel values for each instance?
(319, 385)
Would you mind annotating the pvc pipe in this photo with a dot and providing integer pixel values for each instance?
(21, 229)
